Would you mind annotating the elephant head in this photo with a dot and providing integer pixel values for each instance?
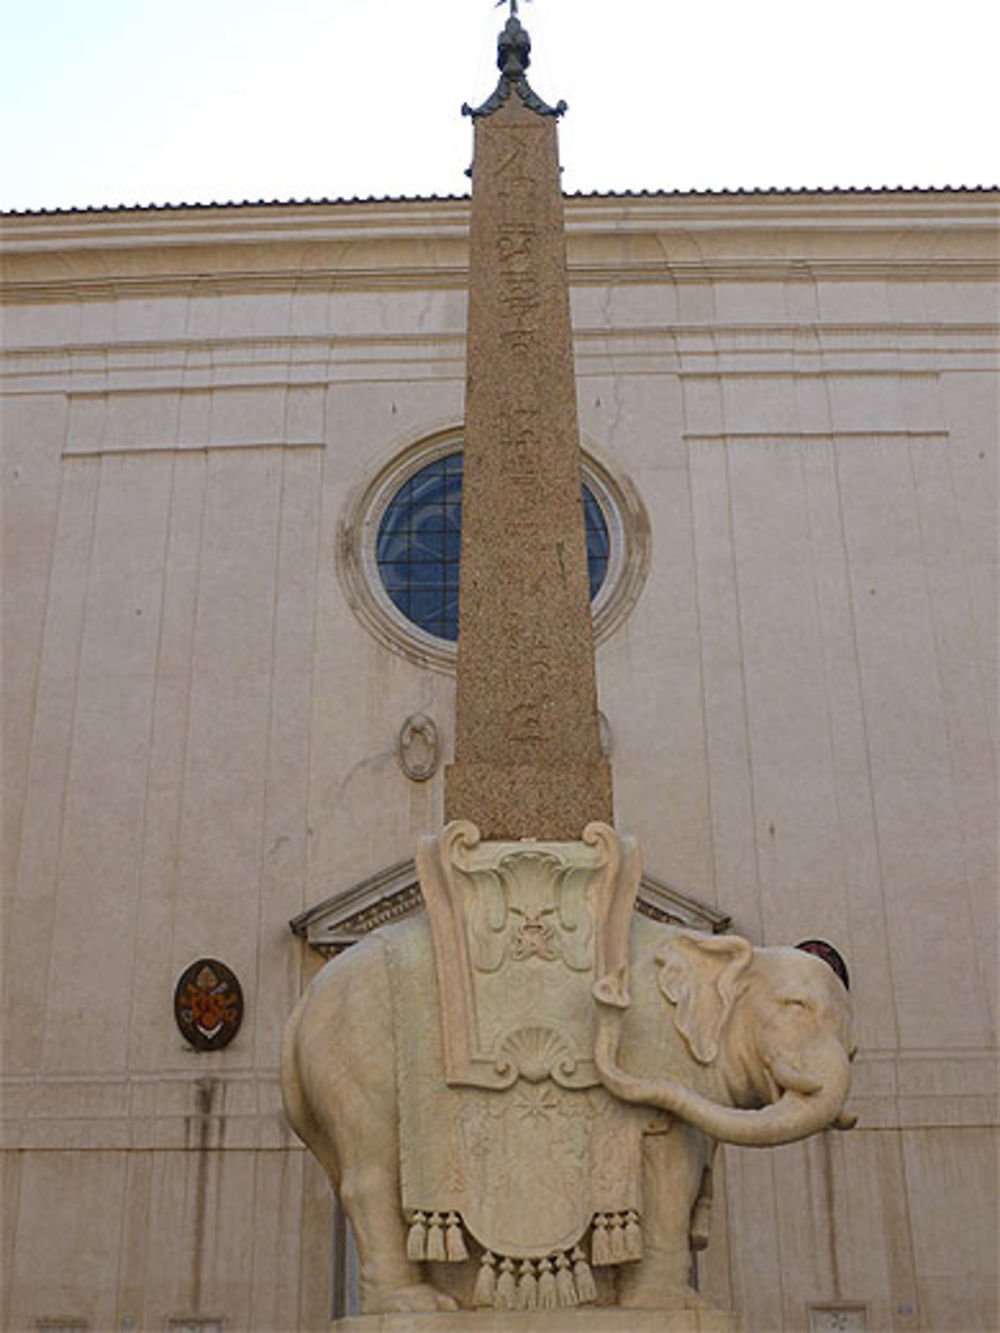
(771, 1025)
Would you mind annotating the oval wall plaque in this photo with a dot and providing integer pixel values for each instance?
(418, 747)
(208, 1004)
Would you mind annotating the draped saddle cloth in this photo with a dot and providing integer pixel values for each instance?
(518, 1139)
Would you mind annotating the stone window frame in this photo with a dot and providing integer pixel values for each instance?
(628, 558)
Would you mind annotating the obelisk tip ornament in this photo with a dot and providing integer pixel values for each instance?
(528, 759)
(513, 59)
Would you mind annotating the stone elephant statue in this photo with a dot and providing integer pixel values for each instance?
(739, 1045)
(719, 1040)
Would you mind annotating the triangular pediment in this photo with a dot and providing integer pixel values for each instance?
(339, 921)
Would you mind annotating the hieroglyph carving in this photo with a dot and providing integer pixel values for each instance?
(517, 188)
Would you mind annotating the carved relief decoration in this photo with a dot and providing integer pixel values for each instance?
(419, 747)
(521, 932)
(472, 1155)
(337, 922)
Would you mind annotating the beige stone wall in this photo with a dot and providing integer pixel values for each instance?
(200, 733)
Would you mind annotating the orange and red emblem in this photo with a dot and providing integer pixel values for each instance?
(208, 1004)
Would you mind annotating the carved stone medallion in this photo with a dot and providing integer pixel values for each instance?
(418, 747)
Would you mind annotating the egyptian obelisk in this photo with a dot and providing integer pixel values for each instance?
(528, 759)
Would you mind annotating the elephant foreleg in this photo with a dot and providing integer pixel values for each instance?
(673, 1163)
(701, 1214)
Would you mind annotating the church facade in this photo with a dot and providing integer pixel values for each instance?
(232, 468)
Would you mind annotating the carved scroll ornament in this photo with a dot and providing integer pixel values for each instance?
(521, 931)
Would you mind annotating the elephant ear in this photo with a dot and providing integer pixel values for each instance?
(700, 974)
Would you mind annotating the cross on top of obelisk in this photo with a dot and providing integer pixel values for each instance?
(513, 59)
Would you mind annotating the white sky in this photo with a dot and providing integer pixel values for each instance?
(141, 101)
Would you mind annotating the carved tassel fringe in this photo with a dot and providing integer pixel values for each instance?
(600, 1244)
(616, 1238)
(586, 1291)
(558, 1281)
(547, 1295)
(416, 1240)
(486, 1282)
(435, 1238)
(527, 1287)
(565, 1290)
(633, 1236)
(506, 1290)
(454, 1241)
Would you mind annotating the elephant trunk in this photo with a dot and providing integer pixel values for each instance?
(795, 1115)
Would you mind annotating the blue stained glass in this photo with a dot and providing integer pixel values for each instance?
(453, 544)
(598, 572)
(428, 542)
(597, 544)
(419, 542)
(394, 577)
(424, 604)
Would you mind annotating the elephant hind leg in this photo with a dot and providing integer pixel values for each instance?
(390, 1282)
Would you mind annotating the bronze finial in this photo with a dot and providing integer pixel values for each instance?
(513, 59)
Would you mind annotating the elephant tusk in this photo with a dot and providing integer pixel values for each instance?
(846, 1120)
(793, 1079)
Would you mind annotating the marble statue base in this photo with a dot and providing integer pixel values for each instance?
(605, 1320)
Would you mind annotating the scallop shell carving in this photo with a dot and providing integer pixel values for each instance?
(535, 1053)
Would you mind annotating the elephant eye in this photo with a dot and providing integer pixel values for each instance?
(795, 1001)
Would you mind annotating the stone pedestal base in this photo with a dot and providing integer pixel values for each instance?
(608, 1320)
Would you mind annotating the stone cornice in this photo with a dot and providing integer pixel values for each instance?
(946, 236)
(101, 364)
